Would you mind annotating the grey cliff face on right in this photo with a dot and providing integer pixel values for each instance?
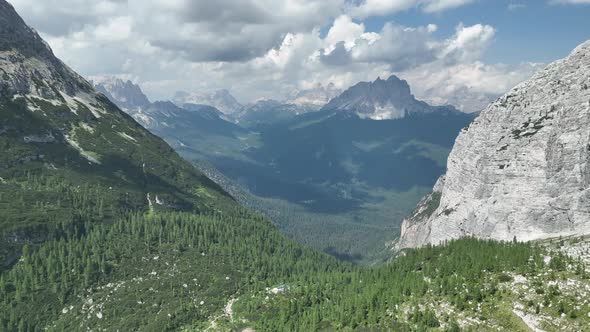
(521, 169)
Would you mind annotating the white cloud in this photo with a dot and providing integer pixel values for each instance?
(115, 29)
(263, 48)
(400, 47)
(386, 7)
(431, 6)
(569, 2)
(468, 43)
(343, 29)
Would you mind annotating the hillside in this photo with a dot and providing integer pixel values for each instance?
(331, 179)
(464, 285)
(66, 147)
(99, 216)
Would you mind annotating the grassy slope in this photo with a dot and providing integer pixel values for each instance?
(44, 183)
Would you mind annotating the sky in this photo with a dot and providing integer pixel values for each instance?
(270, 48)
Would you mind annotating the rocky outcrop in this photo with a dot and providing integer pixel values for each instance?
(125, 94)
(27, 64)
(382, 100)
(521, 169)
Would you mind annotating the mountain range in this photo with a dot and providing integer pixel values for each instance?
(103, 227)
(336, 166)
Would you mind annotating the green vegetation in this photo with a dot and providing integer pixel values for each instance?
(167, 271)
(83, 253)
(104, 227)
(148, 271)
(335, 182)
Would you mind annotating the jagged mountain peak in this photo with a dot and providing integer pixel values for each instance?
(521, 169)
(124, 93)
(381, 100)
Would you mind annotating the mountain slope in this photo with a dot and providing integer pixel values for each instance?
(57, 132)
(381, 100)
(98, 216)
(521, 169)
(196, 130)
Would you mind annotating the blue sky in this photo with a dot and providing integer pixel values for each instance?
(535, 31)
(464, 52)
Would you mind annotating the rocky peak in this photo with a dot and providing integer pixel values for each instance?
(27, 64)
(16, 35)
(381, 100)
(521, 169)
(125, 94)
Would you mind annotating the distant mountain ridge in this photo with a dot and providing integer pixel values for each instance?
(131, 99)
(334, 162)
(197, 131)
(221, 99)
(316, 97)
(382, 100)
(126, 94)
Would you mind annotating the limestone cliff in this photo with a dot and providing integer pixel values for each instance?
(521, 169)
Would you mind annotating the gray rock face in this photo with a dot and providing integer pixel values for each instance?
(27, 64)
(123, 93)
(521, 169)
(16, 35)
(381, 100)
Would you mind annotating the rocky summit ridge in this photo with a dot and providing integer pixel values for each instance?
(382, 100)
(521, 169)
